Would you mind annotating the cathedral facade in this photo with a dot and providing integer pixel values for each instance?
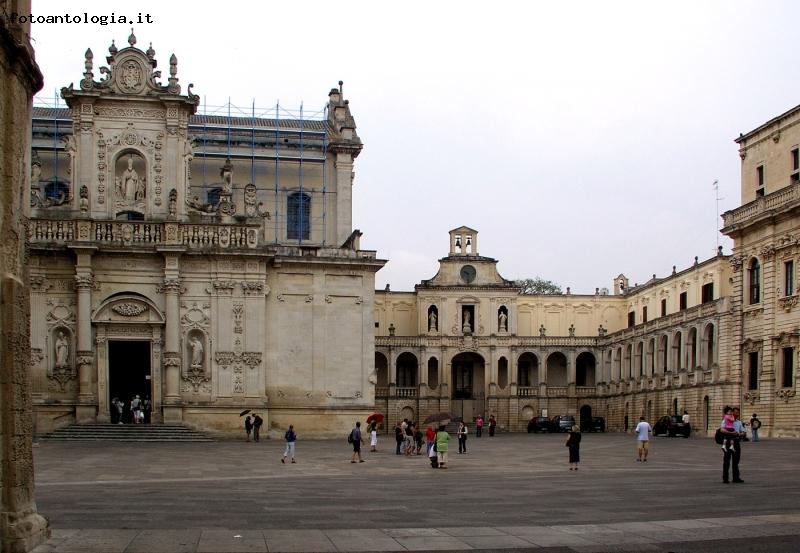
(206, 262)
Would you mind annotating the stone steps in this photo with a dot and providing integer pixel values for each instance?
(125, 433)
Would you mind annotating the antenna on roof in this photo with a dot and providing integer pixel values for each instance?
(716, 219)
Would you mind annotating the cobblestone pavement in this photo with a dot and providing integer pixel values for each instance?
(512, 491)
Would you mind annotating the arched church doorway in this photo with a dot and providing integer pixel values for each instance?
(469, 383)
(129, 375)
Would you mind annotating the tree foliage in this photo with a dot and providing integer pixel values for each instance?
(538, 285)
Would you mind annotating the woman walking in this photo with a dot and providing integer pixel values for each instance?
(462, 437)
(574, 445)
(373, 437)
(442, 437)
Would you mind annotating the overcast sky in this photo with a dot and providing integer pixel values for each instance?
(581, 139)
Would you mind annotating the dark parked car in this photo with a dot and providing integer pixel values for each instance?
(562, 423)
(595, 424)
(671, 425)
(539, 424)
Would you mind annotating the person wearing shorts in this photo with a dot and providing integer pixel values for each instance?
(643, 430)
(355, 436)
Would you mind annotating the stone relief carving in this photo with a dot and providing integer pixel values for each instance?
(129, 309)
(237, 361)
(238, 314)
(736, 262)
(252, 207)
(254, 288)
(788, 302)
(785, 394)
(751, 397)
(60, 314)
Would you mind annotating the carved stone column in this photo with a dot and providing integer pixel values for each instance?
(86, 410)
(21, 527)
(172, 346)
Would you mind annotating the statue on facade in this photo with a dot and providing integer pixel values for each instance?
(433, 324)
(542, 331)
(196, 346)
(467, 327)
(502, 321)
(572, 330)
(36, 175)
(130, 184)
(62, 350)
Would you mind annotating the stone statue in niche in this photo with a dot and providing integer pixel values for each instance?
(196, 349)
(62, 350)
(36, 175)
(467, 326)
(502, 321)
(130, 185)
(433, 323)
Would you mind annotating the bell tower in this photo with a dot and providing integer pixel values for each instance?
(463, 242)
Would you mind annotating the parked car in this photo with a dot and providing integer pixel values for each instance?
(595, 424)
(671, 425)
(562, 423)
(539, 424)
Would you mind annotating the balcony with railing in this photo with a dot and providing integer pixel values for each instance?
(764, 205)
(406, 391)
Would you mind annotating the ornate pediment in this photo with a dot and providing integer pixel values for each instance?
(130, 72)
(128, 308)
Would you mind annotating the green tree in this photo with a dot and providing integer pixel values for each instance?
(537, 285)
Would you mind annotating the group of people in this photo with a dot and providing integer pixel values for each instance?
(138, 410)
(253, 426)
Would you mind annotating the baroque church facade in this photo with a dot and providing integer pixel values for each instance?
(209, 262)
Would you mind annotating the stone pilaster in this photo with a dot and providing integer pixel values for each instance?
(21, 527)
(172, 349)
(86, 410)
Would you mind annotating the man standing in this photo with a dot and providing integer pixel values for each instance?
(356, 439)
(492, 425)
(686, 422)
(730, 459)
(643, 430)
(257, 422)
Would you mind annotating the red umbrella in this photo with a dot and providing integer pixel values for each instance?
(375, 417)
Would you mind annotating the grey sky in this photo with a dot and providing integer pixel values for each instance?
(581, 139)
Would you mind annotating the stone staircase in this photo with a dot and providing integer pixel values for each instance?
(125, 433)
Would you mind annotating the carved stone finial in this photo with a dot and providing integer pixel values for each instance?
(150, 52)
(173, 75)
(88, 76)
(132, 38)
(112, 49)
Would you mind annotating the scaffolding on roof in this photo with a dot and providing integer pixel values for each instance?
(291, 141)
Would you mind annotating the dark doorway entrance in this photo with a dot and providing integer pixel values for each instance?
(128, 373)
(586, 418)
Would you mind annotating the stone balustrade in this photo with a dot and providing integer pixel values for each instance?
(776, 200)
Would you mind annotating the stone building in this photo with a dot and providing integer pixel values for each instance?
(766, 254)
(206, 261)
(467, 341)
(21, 527)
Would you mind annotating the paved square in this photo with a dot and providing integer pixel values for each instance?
(507, 492)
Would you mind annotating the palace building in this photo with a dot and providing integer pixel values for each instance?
(206, 259)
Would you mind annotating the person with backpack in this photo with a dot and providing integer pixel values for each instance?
(356, 439)
(290, 438)
(755, 424)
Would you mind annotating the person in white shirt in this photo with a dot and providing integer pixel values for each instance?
(643, 430)
(686, 422)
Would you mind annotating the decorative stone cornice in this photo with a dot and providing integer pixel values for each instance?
(170, 286)
(85, 282)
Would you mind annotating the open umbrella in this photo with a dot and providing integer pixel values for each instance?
(439, 417)
(375, 417)
(243, 413)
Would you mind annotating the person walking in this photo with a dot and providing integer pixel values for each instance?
(408, 445)
(462, 437)
(248, 426)
(147, 408)
(373, 437)
(257, 422)
(120, 407)
(430, 439)
(290, 438)
(479, 426)
(731, 457)
(492, 425)
(574, 445)
(356, 439)
(642, 431)
(136, 405)
(755, 424)
(442, 437)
